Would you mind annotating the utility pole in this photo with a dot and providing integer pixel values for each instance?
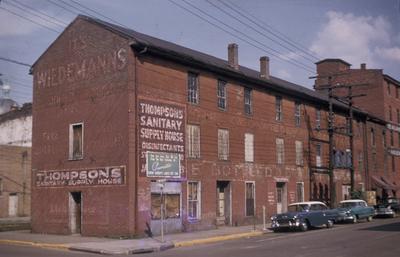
(332, 189)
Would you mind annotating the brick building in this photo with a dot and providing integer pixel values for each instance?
(381, 100)
(122, 111)
(15, 162)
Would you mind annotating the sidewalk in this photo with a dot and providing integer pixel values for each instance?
(128, 246)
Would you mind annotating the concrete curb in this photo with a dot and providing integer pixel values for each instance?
(218, 238)
(34, 244)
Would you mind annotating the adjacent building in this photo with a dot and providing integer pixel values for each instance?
(123, 122)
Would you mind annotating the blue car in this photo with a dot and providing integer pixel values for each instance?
(354, 210)
(303, 215)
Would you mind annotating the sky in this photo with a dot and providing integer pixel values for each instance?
(293, 33)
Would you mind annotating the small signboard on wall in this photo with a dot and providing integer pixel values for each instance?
(161, 164)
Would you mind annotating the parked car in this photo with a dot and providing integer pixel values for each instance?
(388, 208)
(303, 215)
(354, 210)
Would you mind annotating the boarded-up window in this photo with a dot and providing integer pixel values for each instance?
(318, 155)
(278, 108)
(247, 101)
(223, 144)
(250, 198)
(221, 94)
(76, 141)
(297, 114)
(194, 200)
(299, 191)
(193, 88)
(299, 153)
(193, 141)
(248, 147)
(171, 206)
(280, 151)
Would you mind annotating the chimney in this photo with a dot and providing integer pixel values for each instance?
(363, 66)
(264, 67)
(233, 59)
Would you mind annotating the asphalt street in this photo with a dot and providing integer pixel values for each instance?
(377, 238)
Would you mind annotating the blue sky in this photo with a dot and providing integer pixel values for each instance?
(358, 31)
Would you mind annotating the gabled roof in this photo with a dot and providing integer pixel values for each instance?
(333, 60)
(391, 79)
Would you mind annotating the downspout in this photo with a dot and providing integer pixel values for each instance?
(366, 160)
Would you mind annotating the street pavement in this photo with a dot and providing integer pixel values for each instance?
(377, 238)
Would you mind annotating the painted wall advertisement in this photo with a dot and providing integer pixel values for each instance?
(81, 177)
(161, 139)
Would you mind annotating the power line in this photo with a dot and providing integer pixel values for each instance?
(236, 36)
(33, 13)
(25, 18)
(271, 30)
(14, 61)
(256, 30)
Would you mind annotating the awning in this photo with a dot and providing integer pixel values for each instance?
(381, 183)
(390, 183)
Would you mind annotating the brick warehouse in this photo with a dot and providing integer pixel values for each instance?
(125, 109)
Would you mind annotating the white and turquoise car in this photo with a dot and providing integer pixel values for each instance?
(354, 210)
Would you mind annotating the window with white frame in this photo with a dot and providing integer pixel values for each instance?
(223, 144)
(193, 88)
(193, 141)
(318, 119)
(297, 114)
(299, 153)
(300, 192)
(76, 141)
(247, 101)
(318, 155)
(248, 147)
(194, 200)
(278, 108)
(280, 151)
(250, 198)
(221, 94)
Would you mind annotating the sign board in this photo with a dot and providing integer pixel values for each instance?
(81, 177)
(370, 197)
(393, 151)
(161, 164)
(161, 139)
(393, 127)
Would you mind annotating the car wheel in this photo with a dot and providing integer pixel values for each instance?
(355, 219)
(304, 226)
(329, 224)
(369, 219)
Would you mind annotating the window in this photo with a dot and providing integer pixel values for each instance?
(390, 113)
(398, 115)
(194, 196)
(247, 101)
(318, 119)
(193, 88)
(300, 192)
(318, 154)
(193, 141)
(398, 138)
(1, 186)
(221, 94)
(299, 153)
(171, 203)
(76, 141)
(297, 114)
(393, 164)
(278, 108)
(372, 137)
(280, 151)
(391, 138)
(250, 198)
(223, 144)
(360, 161)
(248, 147)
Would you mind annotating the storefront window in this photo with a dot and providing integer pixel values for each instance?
(172, 206)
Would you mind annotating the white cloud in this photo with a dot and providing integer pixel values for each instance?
(284, 74)
(356, 39)
(291, 56)
(11, 25)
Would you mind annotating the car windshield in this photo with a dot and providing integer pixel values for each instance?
(298, 207)
(349, 204)
(392, 200)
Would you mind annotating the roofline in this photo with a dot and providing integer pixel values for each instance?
(391, 79)
(333, 60)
